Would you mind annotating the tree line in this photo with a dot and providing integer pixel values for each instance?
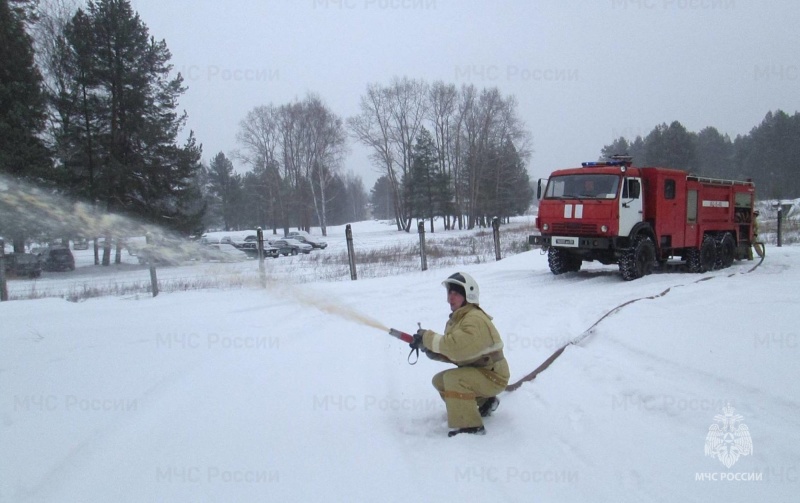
(89, 111)
(769, 154)
(472, 167)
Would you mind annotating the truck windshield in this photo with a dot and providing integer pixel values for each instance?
(588, 186)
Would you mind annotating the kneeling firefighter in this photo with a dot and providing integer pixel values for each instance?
(472, 343)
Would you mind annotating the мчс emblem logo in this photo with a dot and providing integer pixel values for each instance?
(728, 439)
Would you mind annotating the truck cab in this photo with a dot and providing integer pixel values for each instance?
(587, 210)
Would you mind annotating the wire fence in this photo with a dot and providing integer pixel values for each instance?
(374, 257)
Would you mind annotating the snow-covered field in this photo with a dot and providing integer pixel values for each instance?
(296, 393)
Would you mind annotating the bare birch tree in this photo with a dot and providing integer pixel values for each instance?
(388, 124)
(325, 146)
(487, 121)
(260, 137)
(442, 100)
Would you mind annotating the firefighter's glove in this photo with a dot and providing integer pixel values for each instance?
(417, 342)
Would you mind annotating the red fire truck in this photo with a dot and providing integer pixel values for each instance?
(638, 218)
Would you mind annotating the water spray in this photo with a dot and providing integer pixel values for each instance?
(350, 314)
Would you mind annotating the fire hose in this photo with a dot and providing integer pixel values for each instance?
(415, 341)
(589, 331)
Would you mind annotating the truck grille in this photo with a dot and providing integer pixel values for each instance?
(574, 229)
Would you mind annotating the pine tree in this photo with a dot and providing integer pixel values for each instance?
(422, 184)
(506, 185)
(714, 154)
(769, 154)
(22, 104)
(23, 154)
(381, 199)
(226, 187)
(118, 121)
(671, 146)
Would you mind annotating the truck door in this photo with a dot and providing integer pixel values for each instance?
(671, 214)
(630, 205)
(691, 219)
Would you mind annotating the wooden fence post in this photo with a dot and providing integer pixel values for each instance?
(422, 254)
(351, 254)
(3, 285)
(262, 273)
(152, 263)
(496, 232)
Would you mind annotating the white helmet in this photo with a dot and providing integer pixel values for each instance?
(466, 282)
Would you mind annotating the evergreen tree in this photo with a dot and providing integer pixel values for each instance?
(337, 207)
(506, 185)
(22, 104)
(515, 193)
(670, 146)
(620, 146)
(118, 121)
(23, 154)
(714, 154)
(425, 183)
(381, 199)
(226, 188)
(769, 155)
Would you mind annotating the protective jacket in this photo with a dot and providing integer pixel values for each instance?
(470, 339)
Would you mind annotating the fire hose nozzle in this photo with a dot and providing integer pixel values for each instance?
(401, 335)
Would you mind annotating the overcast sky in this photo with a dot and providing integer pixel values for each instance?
(583, 72)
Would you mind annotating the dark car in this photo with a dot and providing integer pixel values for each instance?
(57, 258)
(251, 249)
(290, 246)
(304, 237)
(23, 264)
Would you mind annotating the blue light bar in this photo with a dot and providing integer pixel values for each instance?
(604, 163)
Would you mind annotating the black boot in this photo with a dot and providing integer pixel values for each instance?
(475, 430)
(489, 406)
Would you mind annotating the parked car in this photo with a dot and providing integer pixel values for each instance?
(304, 237)
(57, 258)
(290, 246)
(251, 249)
(23, 264)
(80, 244)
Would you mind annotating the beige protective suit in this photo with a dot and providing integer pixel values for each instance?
(471, 342)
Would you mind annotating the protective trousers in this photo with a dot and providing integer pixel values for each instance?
(463, 390)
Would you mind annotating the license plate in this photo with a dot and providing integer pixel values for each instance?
(565, 241)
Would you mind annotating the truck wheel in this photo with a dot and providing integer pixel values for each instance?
(704, 259)
(561, 261)
(639, 260)
(726, 251)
